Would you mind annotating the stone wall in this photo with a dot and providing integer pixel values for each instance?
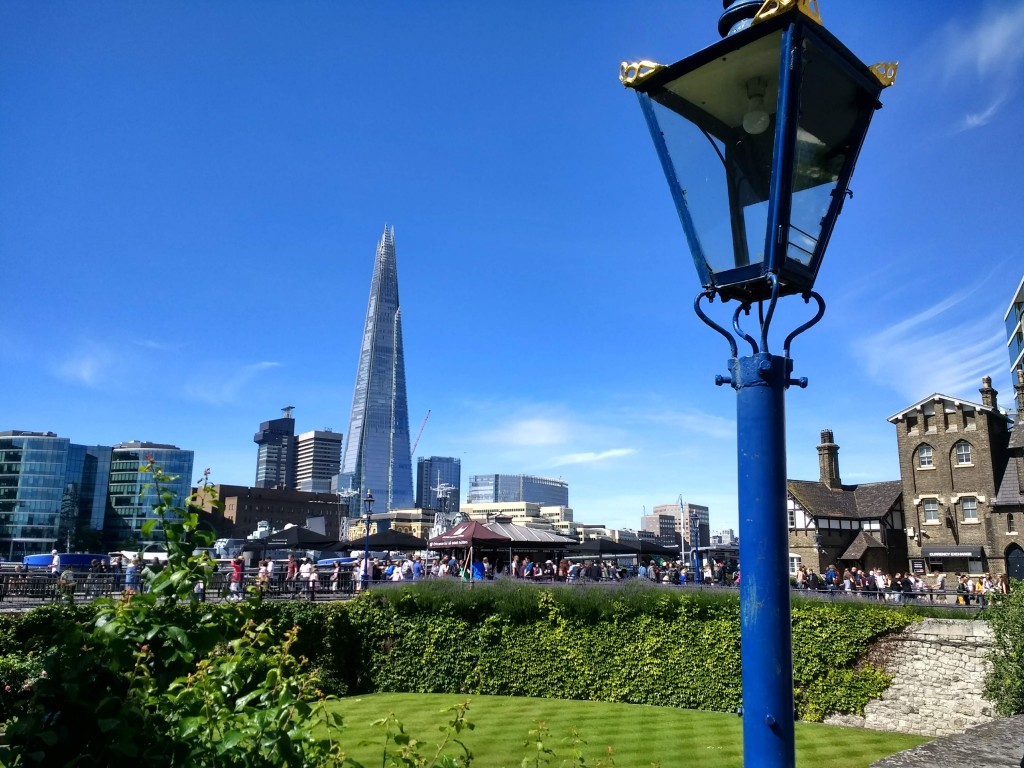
(939, 668)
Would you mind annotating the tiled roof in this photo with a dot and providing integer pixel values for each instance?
(855, 502)
(861, 543)
(1009, 493)
(1017, 434)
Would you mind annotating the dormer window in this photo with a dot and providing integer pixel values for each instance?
(925, 457)
(969, 419)
(963, 454)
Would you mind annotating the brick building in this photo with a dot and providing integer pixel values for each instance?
(844, 525)
(244, 508)
(961, 470)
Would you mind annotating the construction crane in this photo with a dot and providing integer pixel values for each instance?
(419, 434)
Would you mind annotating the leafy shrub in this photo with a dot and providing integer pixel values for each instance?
(154, 677)
(1005, 683)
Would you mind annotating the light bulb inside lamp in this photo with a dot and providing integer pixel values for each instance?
(756, 120)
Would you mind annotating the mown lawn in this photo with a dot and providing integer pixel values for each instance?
(640, 735)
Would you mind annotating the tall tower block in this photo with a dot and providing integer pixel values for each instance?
(376, 455)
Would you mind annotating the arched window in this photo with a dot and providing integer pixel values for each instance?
(924, 456)
(962, 450)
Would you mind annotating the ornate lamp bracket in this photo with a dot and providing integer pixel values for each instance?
(764, 322)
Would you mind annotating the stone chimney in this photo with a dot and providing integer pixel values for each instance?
(988, 395)
(828, 461)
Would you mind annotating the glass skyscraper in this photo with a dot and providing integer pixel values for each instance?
(132, 495)
(50, 488)
(491, 489)
(275, 462)
(434, 472)
(376, 456)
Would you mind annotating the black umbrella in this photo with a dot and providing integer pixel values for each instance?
(296, 537)
(605, 547)
(658, 550)
(383, 540)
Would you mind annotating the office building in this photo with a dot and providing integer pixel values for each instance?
(236, 510)
(317, 460)
(377, 456)
(665, 525)
(492, 489)
(275, 462)
(701, 515)
(51, 491)
(438, 479)
(132, 494)
(1014, 319)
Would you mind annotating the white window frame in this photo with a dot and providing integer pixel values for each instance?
(931, 504)
(795, 561)
(969, 502)
(925, 456)
(970, 453)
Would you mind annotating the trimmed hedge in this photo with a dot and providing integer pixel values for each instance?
(638, 644)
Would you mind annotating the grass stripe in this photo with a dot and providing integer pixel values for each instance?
(640, 735)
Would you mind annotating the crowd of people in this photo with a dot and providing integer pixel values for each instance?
(961, 588)
(525, 568)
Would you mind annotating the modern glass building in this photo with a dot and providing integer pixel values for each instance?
(491, 489)
(131, 493)
(434, 473)
(33, 474)
(377, 456)
(50, 488)
(275, 462)
(1014, 319)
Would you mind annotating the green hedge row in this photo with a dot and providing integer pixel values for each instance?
(639, 644)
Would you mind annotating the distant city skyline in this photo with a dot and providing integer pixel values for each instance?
(192, 226)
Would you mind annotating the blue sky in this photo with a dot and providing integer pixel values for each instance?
(192, 193)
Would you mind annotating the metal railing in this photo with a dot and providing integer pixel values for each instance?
(20, 590)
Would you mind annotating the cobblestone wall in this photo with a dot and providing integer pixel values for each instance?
(939, 670)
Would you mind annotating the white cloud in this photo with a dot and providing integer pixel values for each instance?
(222, 390)
(87, 366)
(590, 456)
(986, 56)
(991, 47)
(958, 352)
(529, 432)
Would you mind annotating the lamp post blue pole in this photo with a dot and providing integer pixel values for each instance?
(760, 382)
(695, 546)
(822, 96)
(367, 568)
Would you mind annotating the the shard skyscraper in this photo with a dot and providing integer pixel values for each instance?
(377, 455)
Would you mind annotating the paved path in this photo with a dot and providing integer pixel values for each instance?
(999, 744)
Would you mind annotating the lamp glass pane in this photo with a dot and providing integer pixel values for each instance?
(830, 103)
(722, 151)
(703, 190)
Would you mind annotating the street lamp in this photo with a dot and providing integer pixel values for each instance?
(695, 546)
(766, 124)
(368, 502)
